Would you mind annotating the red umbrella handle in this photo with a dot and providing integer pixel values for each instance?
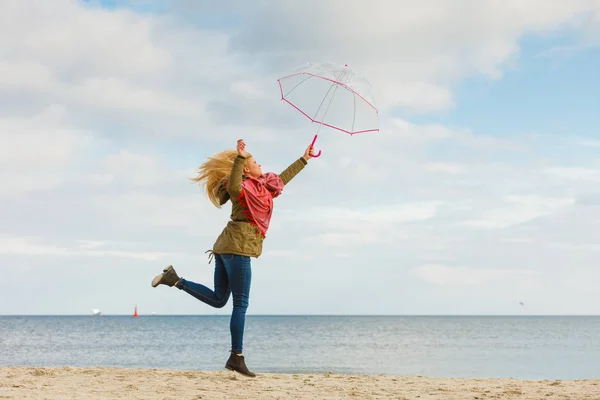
(312, 145)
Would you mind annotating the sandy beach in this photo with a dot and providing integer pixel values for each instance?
(133, 384)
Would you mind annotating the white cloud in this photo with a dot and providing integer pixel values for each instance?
(41, 141)
(589, 143)
(415, 50)
(114, 94)
(36, 152)
(427, 133)
(90, 244)
(30, 246)
(140, 170)
(448, 168)
(56, 44)
(343, 239)
(149, 210)
(443, 275)
(118, 68)
(417, 96)
(378, 214)
(575, 173)
(518, 209)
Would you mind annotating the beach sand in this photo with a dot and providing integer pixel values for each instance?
(133, 384)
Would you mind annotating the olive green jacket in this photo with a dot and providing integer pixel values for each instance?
(239, 236)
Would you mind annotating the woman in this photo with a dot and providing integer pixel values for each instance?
(236, 176)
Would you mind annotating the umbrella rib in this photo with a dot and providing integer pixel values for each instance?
(327, 109)
(298, 84)
(323, 101)
(354, 113)
(337, 79)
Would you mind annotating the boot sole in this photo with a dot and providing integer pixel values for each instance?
(156, 280)
(231, 369)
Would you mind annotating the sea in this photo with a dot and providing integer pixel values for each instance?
(524, 347)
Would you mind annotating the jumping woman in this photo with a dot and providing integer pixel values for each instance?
(236, 176)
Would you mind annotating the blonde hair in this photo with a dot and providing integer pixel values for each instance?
(213, 173)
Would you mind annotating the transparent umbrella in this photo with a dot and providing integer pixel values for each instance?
(331, 95)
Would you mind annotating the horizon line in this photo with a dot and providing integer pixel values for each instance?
(301, 315)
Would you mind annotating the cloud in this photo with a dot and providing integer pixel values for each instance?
(575, 173)
(133, 170)
(589, 143)
(448, 168)
(110, 67)
(379, 214)
(148, 210)
(427, 133)
(415, 51)
(443, 275)
(30, 246)
(41, 140)
(36, 152)
(518, 209)
(342, 239)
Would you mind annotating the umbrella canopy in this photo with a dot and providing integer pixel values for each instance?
(331, 95)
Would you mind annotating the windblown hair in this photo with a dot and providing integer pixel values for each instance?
(214, 172)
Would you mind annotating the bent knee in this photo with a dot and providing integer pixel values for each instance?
(221, 304)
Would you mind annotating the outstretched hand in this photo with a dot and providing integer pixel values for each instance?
(241, 148)
(309, 153)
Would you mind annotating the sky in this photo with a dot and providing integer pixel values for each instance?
(480, 191)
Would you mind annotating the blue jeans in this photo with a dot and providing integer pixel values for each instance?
(232, 276)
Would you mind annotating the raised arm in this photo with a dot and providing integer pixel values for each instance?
(290, 172)
(234, 185)
(222, 194)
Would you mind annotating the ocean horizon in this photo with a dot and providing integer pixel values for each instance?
(301, 315)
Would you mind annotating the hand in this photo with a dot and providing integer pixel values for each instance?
(241, 148)
(309, 153)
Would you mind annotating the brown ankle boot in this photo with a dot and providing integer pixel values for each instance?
(168, 277)
(236, 363)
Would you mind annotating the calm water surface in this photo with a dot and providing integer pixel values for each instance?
(521, 347)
